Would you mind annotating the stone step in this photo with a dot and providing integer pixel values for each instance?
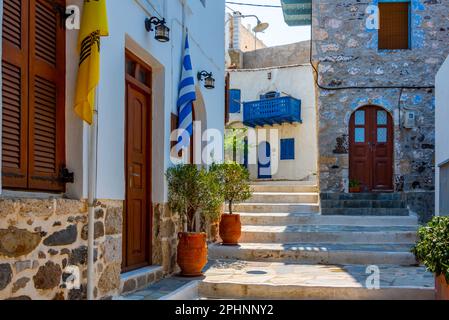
(394, 254)
(399, 204)
(329, 234)
(365, 212)
(361, 196)
(277, 207)
(284, 197)
(284, 219)
(266, 280)
(283, 188)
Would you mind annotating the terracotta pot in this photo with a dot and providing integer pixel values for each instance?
(355, 190)
(441, 288)
(230, 229)
(192, 253)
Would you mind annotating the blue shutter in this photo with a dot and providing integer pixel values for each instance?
(288, 149)
(235, 97)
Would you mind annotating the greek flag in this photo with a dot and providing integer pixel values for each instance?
(186, 97)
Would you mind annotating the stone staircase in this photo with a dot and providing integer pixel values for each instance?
(290, 250)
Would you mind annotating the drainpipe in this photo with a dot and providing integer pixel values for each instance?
(91, 200)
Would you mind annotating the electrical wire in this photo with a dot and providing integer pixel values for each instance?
(317, 77)
(253, 5)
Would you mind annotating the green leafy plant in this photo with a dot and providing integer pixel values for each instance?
(432, 248)
(233, 180)
(191, 191)
(354, 184)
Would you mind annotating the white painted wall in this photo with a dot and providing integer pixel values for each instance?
(126, 25)
(296, 81)
(441, 125)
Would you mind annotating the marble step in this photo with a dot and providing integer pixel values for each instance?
(365, 212)
(277, 207)
(363, 204)
(284, 219)
(367, 254)
(329, 234)
(361, 196)
(283, 188)
(284, 197)
(280, 281)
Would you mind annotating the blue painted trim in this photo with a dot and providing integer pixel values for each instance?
(235, 100)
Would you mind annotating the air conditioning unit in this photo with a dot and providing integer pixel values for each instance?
(410, 119)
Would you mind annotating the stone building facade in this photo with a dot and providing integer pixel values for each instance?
(353, 72)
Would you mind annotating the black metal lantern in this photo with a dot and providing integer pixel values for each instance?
(162, 33)
(209, 81)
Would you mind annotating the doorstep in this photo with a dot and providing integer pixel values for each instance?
(139, 279)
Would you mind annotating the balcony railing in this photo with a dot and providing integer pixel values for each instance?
(272, 111)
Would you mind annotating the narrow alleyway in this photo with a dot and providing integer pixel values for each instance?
(289, 250)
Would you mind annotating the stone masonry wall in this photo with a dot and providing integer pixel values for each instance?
(346, 54)
(41, 239)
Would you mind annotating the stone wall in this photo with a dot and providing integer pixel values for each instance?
(291, 54)
(41, 241)
(346, 54)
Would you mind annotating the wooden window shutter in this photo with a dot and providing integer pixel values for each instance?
(394, 25)
(15, 93)
(40, 144)
(46, 94)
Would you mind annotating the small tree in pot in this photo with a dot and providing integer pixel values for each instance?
(192, 191)
(432, 249)
(234, 183)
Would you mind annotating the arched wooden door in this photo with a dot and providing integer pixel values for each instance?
(371, 139)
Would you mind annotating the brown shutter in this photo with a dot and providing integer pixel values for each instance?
(15, 93)
(394, 25)
(46, 94)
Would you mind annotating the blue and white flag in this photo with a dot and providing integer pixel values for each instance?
(186, 97)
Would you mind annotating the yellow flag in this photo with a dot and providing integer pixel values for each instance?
(94, 24)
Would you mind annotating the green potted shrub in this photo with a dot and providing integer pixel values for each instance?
(432, 249)
(354, 186)
(233, 180)
(192, 191)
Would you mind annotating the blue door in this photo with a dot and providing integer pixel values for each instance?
(264, 160)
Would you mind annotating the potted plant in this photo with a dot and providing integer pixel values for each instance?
(234, 183)
(192, 191)
(354, 186)
(432, 249)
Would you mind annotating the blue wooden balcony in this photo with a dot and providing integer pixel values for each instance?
(272, 111)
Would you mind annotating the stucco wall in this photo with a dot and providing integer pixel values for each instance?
(290, 54)
(441, 129)
(297, 82)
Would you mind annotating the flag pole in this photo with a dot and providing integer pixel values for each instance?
(92, 194)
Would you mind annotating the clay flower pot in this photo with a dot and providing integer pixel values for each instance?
(192, 253)
(441, 288)
(355, 190)
(230, 229)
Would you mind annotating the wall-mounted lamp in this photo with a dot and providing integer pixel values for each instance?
(209, 81)
(162, 33)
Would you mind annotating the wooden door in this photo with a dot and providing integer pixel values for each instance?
(137, 221)
(371, 149)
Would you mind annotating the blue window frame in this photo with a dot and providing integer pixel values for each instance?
(235, 100)
(287, 149)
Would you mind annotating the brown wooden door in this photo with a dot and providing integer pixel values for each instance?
(137, 222)
(371, 149)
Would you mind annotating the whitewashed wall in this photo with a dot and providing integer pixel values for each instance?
(296, 81)
(442, 128)
(205, 25)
